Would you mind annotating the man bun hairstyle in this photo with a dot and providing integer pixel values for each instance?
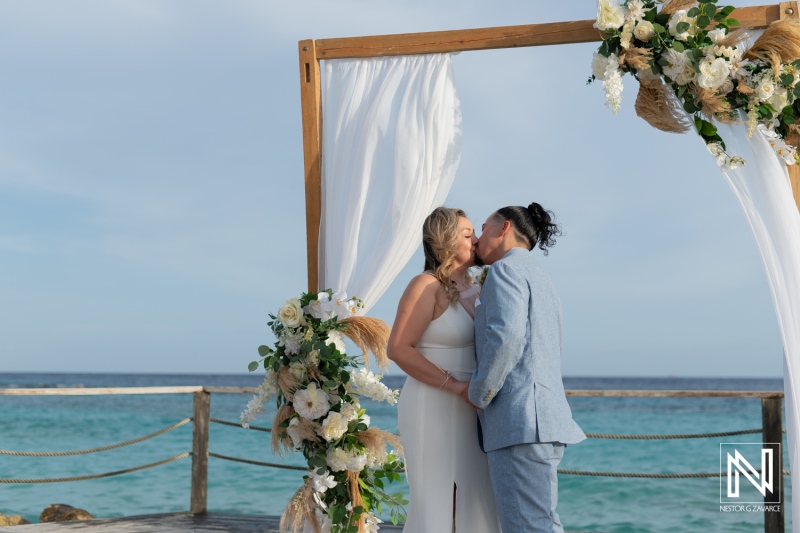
(533, 225)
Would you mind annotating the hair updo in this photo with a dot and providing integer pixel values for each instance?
(533, 225)
(440, 234)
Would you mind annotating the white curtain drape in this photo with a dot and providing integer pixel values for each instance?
(765, 194)
(391, 146)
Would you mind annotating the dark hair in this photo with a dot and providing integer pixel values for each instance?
(532, 225)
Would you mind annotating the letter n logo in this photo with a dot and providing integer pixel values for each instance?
(742, 461)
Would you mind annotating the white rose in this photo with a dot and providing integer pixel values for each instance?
(779, 99)
(678, 17)
(311, 403)
(717, 36)
(333, 427)
(610, 15)
(356, 462)
(765, 89)
(713, 73)
(644, 31)
(298, 370)
(350, 410)
(337, 458)
(291, 314)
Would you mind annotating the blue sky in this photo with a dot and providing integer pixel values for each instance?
(151, 189)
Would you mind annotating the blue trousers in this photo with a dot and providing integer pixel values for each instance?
(525, 486)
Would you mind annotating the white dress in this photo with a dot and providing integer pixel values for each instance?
(439, 432)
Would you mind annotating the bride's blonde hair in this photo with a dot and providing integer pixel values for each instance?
(440, 234)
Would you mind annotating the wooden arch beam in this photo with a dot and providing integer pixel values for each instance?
(312, 51)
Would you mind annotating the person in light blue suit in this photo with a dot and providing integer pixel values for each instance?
(525, 421)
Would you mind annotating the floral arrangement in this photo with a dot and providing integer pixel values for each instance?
(686, 60)
(317, 386)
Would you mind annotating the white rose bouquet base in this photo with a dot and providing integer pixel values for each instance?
(317, 387)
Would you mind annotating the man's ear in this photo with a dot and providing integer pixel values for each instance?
(505, 227)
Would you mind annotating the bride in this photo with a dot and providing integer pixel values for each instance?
(433, 341)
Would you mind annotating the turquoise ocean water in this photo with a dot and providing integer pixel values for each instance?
(599, 504)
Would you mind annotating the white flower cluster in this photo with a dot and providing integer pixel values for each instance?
(311, 403)
(724, 160)
(264, 392)
(785, 151)
(339, 459)
(327, 306)
(607, 70)
(365, 383)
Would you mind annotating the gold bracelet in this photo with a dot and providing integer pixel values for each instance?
(449, 375)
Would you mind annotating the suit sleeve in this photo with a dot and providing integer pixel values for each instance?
(505, 295)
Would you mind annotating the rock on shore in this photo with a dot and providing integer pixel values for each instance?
(12, 520)
(60, 512)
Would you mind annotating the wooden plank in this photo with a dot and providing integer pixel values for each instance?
(79, 391)
(493, 38)
(202, 408)
(675, 394)
(230, 390)
(772, 432)
(311, 106)
(791, 10)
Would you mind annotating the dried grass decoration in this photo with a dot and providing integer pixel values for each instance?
(692, 72)
(317, 388)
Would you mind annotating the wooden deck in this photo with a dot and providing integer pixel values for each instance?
(170, 523)
(167, 523)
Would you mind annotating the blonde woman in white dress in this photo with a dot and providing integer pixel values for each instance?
(433, 341)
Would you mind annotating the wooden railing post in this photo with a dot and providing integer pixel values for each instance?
(772, 431)
(202, 405)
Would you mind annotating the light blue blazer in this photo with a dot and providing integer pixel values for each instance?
(518, 380)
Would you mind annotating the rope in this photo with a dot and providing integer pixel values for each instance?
(642, 475)
(679, 436)
(98, 476)
(234, 424)
(591, 435)
(257, 463)
(101, 449)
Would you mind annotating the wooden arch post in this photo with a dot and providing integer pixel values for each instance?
(312, 51)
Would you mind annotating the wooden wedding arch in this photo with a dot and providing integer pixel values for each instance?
(312, 51)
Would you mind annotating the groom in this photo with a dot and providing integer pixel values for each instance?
(525, 419)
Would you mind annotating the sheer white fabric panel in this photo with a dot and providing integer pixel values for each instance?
(763, 189)
(391, 147)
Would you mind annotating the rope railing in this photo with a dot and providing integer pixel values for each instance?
(257, 463)
(98, 476)
(100, 449)
(238, 425)
(590, 435)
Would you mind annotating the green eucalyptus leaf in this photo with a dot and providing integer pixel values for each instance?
(682, 27)
(253, 366)
(733, 23)
(263, 351)
(678, 46)
(709, 10)
(693, 12)
(703, 21)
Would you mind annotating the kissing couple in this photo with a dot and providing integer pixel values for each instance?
(494, 350)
